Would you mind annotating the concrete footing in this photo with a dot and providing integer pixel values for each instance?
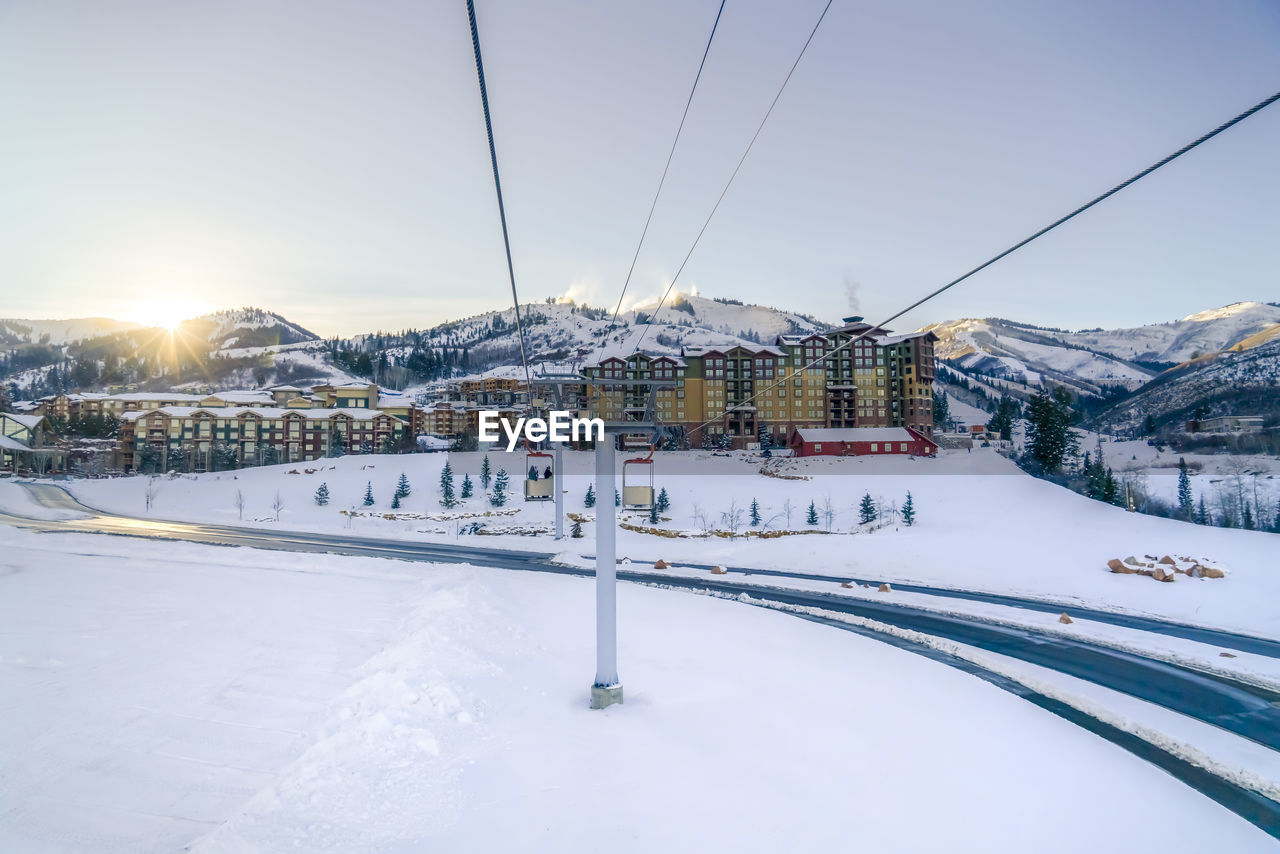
(604, 696)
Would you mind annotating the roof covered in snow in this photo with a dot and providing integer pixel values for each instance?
(29, 421)
(260, 411)
(856, 434)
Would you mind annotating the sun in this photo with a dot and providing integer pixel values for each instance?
(165, 314)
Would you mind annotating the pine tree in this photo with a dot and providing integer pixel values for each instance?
(909, 511)
(447, 497)
(499, 496)
(1275, 528)
(1050, 440)
(812, 517)
(486, 474)
(368, 494)
(664, 503)
(654, 518)
(322, 495)
(467, 488)
(755, 513)
(1184, 489)
(395, 501)
(576, 530)
(867, 509)
(1110, 488)
(1202, 512)
(1248, 516)
(941, 410)
(402, 488)
(589, 500)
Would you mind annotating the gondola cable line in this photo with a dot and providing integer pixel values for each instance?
(613, 322)
(497, 184)
(653, 318)
(864, 335)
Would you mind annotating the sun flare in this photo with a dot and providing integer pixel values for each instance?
(164, 314)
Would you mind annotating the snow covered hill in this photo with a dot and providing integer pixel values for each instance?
(246, 327)
(566, 329)
(1242, 381)
(1183, 340)
(21, 331)
(1033, 356)
(1095, 361)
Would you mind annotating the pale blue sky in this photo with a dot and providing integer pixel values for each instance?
(327, 160)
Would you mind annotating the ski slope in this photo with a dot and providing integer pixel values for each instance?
(183, 697)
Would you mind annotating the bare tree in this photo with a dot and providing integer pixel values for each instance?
(732, 518)
(828, 512)
(769, 522)
(1258, 512)
(700, 516)
(1235, 469)
(1227, 505)
(277, 505)
(240, 503)
(153, 487)
(788, 508)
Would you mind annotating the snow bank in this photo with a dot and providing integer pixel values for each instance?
(981, 524)
(243, 700)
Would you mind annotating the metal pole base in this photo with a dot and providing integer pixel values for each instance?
(604, 696)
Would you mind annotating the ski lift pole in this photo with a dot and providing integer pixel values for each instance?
(607, 688)
(558, 486)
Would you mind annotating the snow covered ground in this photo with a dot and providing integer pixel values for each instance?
(160, 695)
(1212, 475)
(981, 523)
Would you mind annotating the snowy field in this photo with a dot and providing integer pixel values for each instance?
(981, 523)
(1213, 476)
(162, 695)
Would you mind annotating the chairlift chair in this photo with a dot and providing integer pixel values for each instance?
(542, 489)
(636, 493)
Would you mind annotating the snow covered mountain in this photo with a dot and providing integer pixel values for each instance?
(1244, 380)
(1032, 356)
(1096, 361)
(59, 332)
(566, 330)
(246, 327)
(1183, 340)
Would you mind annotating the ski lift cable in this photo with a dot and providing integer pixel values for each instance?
(497, 184)
(661, 181)
(1266, 102)
(729, 183)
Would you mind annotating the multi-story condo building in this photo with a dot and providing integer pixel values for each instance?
(168, 430)
(878, 379)
(202, 439)
(853, 376)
